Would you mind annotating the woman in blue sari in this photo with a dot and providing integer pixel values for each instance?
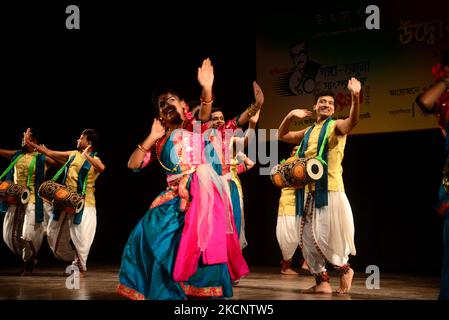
(191, 213)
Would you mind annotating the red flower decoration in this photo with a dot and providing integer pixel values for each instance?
(187, 112)
(438, 72)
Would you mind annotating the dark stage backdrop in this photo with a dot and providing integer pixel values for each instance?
(102, 77)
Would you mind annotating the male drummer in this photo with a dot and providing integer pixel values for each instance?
(327, 226)
(24, 225)
(66, 229)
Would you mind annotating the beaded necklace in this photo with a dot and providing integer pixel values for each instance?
(159, 159)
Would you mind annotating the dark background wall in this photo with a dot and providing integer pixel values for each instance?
(102, 77)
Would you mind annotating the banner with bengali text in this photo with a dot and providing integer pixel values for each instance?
(303, 52)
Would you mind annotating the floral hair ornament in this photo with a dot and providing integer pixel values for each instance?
(187, 112)
(438, 72)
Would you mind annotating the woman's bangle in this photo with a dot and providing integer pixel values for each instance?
(142, 149)
(252, 110)
(203, 101)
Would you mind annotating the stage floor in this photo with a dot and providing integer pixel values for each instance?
(49, 283)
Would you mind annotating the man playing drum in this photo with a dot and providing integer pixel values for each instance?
(84, 168)
(287, 228)
(25, 224)
(327, 226)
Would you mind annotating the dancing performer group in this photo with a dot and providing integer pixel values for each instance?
(70, 231)
(189, 243)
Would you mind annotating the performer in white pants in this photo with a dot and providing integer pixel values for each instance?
(327, 226)
(287, 228)
(71, 242)
(22, 234)
(24, 225)
(71, 235)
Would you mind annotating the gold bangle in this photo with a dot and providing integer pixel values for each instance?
(142, 149)
(252, 110)
(207, 102)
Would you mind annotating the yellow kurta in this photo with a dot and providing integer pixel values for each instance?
(335, 156)
(72, 177)
(21, 173)
(287, 202)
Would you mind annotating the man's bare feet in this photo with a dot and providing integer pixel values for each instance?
(346, 281)
(286, 268)
(289, 271)
(323, 287)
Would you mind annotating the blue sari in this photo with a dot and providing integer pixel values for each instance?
(150, 253)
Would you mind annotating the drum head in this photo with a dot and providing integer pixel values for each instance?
(80, 206)
(315, 169)
(4, 185)
(25, 196)
(299, 171)
(276, 177)
(277, 180)
(61, 194)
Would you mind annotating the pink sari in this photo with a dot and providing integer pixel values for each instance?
(209, 230)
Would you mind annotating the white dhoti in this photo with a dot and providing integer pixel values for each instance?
(70, 241)
(327, 234)
(287, 234)
(21, 232)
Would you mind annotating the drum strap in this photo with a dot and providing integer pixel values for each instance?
(321, 186)
(57, 175)
(9, 171)
(8, 175)
(68, 162)
(83, 175)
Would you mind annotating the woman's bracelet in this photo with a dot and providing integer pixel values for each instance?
(142, 149)
(252, 110)
(203, 101)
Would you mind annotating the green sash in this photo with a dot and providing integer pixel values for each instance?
(321, 186)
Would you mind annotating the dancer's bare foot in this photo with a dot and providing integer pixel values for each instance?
(304, 265)
(288, 271)
(346, 281)
(286, 267)
(323, 287)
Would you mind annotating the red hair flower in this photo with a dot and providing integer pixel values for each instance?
(438, 72)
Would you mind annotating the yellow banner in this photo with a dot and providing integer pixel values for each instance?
(299, 54)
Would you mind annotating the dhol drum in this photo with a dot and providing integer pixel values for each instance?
(12, 193)
(61, 197)
(297, 172)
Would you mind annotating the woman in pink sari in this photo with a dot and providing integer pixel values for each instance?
(186, 244)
